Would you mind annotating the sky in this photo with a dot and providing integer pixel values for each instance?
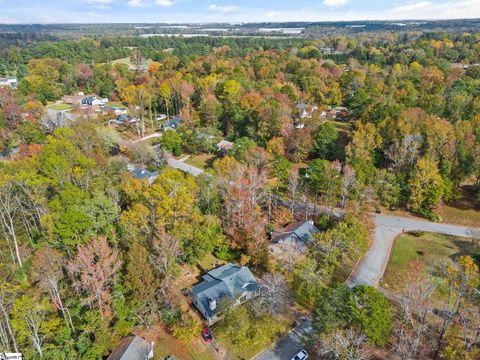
(209, 11)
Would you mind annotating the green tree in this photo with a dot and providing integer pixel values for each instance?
(172, 141)
(325, 139)
(426, 188)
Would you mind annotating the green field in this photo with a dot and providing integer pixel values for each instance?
(425, 252)
(61, 107)
(201, 161)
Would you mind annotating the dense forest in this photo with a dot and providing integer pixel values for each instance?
(90, 254)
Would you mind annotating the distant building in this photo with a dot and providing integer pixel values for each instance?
(305, 111)
(228, 282)
(142, 174)
(132, 348)
(75, 99)
(9, 81)
(295, 237)
(224, 146)
(172, 124)
(116, 110)
(94, 101)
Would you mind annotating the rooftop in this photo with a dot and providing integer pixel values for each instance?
(131, 348)
(227, 281)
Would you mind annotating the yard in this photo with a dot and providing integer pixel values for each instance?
(201, 161)
(425, 252)
(61, 107)
(166, 345)
(462, 211)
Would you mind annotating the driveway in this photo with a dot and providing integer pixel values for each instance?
(180, 165)
(289, 345)
(371, 269)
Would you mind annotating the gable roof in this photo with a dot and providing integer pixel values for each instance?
(227, 281)
(173, 122)
(302, 231)
(131, 348)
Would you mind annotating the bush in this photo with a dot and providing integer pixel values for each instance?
(416, 233)
(187, 329)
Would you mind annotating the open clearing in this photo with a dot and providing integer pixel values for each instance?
(427, 251)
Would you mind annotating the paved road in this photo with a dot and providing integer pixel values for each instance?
(180, 165)
(288, 345)
(371, 269)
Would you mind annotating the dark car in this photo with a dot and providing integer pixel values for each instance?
(207, 334)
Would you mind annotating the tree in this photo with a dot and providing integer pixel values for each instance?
(172, 141)
(274, 295)
(140, 281)
(370, 311)
(325, 142)
(34, 323)
(426, 187)
(362, 307)
(47, 270)
(93, 271)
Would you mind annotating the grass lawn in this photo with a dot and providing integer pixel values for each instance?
(61, 107)
(462, 211)
(284, 324)
(201, 161)
(424, 252)
(115, 103)
(192, 350)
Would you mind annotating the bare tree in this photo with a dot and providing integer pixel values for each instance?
(9, 209)
(7, 335)
(294, 185)
(47, 270)
(344, 345)
(413, 329)
(274, 296)
(93, 271)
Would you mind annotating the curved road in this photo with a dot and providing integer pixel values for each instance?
(371, 269)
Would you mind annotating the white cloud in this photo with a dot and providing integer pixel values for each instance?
(335, 3)
(222, 8)
(165, 3)
(412, 7)
(8, 20)
(99, 1)
(136, 3)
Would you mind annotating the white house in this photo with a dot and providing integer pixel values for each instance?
(9, 81)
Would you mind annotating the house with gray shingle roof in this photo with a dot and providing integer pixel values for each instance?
(295, 237)
(227, 282)
(132, 348)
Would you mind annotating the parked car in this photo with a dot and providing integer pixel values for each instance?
(207, 334)
(302, 355)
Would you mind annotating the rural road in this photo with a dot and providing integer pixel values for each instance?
(371, 269)
(180, 165)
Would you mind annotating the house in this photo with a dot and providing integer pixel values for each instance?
(305, 111)
(227, 282)
(171, 124)
(142, 174)
(224, 146)
(9, 81)
(339, 112)
(295, 237)
(116, 110)
(94, 101)
(75, 99)
(132, 348)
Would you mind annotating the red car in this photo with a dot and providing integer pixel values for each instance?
(207, 334)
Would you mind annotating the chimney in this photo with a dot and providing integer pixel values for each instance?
(212, 303)
(311, 222)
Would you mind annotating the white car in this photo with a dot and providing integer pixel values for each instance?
(302, 355)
